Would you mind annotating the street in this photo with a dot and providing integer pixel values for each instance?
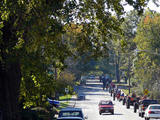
(93, 94)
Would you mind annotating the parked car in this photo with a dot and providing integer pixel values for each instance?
(143, 104)
(91, 77)
(106, 106)
(83, 80)
(81, 97)
(71, 114)
(152, 111)
(70, 118)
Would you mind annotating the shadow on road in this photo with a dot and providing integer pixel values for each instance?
(93, 87)
(111, 114)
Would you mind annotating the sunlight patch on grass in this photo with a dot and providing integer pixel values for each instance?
(63, 105)
(65, 97)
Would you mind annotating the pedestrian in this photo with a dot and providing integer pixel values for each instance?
(104, 82)
(114, 95)
(100, 78)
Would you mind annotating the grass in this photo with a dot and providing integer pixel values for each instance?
(63, 105)
(122, 84)
(125, 91)
(77, 83)
(65, 97)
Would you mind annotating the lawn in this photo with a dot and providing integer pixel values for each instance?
(65, 97)
(64, 101)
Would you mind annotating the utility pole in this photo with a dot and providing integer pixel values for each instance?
(117, 59)
(129, 67)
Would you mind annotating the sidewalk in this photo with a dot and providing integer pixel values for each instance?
(72, 101)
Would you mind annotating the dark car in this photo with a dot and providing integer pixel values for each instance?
(143, 104)
(81, 97)
(71, 114)
(91, 77)
(106, 106)
(70, 118)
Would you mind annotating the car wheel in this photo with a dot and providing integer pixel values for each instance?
(128, 106)
(123, 102)
(147, 118)
(113, 113)
(135, 110)
(100, 113)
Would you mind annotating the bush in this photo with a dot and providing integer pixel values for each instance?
(38, 113)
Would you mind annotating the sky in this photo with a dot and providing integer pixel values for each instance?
(151, 6)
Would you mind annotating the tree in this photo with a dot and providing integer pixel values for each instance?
(129, 27)
(147, 41)
(30, 34)
(34, 29)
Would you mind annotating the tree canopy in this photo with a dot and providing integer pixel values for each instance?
(35, 37)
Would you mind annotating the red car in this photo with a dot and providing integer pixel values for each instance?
(106, 106)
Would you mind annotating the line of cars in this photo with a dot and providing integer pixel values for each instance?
(147, 108)
(105, 106)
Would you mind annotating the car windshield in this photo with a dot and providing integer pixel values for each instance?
(147, 102)
(154, 107)
(70, 114)
(106, 103)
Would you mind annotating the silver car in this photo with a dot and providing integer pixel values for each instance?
(71, 114)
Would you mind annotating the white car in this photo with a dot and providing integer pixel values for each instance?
(152, 111)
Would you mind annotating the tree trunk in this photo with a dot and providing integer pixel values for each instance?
(10, 74)
(129, 76)
(9, 91)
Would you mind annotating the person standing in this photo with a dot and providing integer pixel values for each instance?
(107, 81)
(100, 78)
(104, 82)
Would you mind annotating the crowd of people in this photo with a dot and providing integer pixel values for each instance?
(107, 82)
(110, 86)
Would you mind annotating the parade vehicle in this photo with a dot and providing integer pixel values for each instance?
(143, 104)
(136, 104)
(130, 100)
(106, 106)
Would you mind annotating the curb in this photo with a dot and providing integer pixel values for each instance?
(72, 101)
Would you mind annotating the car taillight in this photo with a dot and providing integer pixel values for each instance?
(150, 112)
(143, 107)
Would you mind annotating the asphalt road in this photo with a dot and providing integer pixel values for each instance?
(93, 93)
